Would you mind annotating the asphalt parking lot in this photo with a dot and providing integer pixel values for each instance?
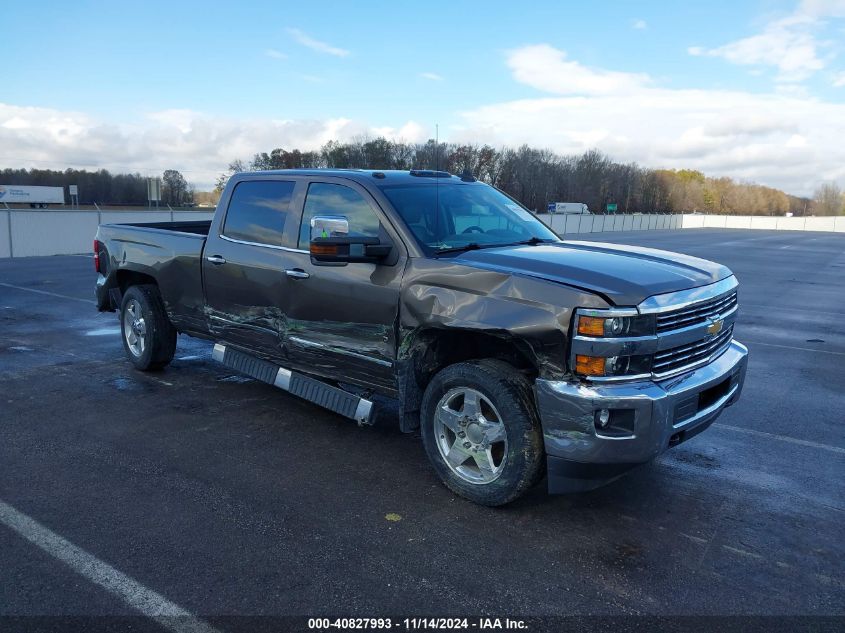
(228, 497)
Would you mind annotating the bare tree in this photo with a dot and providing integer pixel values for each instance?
(537, 177)
(235, 167)
(829, 199)
(175, 187)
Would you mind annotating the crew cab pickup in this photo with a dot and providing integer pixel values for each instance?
(513, 353)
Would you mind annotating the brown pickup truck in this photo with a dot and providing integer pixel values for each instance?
(513, 353)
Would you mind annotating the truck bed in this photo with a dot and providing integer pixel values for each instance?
(170, 253)
(196, 227)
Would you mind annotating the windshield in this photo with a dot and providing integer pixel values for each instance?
(454, 217)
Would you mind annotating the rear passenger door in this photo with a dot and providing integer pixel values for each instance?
(244, 262)
(342, 318)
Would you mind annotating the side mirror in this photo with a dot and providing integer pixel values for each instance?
(329, 226)
(332, 244)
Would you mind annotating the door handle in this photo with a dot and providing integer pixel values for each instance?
(297, 273)
(216, 259)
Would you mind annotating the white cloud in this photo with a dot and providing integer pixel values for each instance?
(823, 8)
(546, 68)
(316, 45)
(789, 44)
(786, 44)
(792, 90)
(796, 140)
(839, 80)
(16, 123)
(199, 145)
(411, 132)
(783, 140)
(274, 54)
(639, 24)
(431, 76)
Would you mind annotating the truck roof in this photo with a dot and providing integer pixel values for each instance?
(378, 177)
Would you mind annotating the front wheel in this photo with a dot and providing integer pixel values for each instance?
(481, 431)
(149, 337)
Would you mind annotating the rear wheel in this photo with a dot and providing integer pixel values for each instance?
(149, 337)
(481, 431)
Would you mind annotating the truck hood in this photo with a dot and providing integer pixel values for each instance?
(624, 275)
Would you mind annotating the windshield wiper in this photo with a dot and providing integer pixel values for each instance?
(472, 246)
(533, 240)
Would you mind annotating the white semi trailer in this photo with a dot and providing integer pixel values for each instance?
(35, 197)
(568, 207)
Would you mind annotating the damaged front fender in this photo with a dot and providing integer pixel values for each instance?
(452, 312)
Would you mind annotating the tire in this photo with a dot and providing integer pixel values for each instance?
(503, 448)
(149, 338)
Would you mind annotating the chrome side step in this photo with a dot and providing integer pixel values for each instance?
(311, 389)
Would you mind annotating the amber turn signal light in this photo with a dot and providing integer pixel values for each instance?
(323, 249)
(589, 365)
(590, 326)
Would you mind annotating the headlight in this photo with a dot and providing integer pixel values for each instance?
(613, 343)
(617, 326)
(593, 325)
(612, 366)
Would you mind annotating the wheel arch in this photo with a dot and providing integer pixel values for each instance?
(434, 348)
(126, 277)
(425, 351)
(121, 280)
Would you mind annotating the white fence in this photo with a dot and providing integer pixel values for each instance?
(26, 233)
(573, 224)
(570, 224)
(829, 223)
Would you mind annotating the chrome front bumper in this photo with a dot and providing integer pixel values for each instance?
(662, 413)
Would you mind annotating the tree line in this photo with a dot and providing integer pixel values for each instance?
(104, 187)
(537, 177)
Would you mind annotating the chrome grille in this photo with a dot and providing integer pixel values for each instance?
(695, 314)
(684, 356)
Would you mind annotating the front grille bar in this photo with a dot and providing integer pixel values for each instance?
(686, 355)
(696, 314)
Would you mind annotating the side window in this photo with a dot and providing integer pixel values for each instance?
(328, 199)
(258, 211)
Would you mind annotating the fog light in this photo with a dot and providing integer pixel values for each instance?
(602, 417)
(590, 365)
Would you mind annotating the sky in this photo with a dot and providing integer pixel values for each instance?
(753, 90)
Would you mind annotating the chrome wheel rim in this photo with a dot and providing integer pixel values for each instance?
(471, 435)
(135, 328)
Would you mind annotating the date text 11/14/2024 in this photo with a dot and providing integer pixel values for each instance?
(415, 624)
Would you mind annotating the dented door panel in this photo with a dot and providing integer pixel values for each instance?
(245, 297)
(341, 329)
(342, 319)
(246, 292)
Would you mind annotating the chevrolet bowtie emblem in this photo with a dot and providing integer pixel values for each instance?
(715, 327)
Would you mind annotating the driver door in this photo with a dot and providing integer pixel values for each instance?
(342, 318)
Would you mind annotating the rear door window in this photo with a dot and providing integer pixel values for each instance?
(258, 211)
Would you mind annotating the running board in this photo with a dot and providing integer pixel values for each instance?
(311, 389)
